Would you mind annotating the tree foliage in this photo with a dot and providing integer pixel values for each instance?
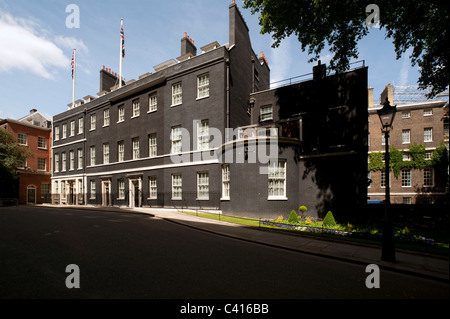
(416, 24)
(11, 153)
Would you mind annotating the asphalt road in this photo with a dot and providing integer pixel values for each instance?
(134, 255)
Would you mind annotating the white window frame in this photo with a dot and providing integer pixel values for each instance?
(406, 115)
(266, 113)
(202, 185)
(22, 138)
(152, 145)
(383, 179)
(45, 189)
(152, 103)
(39, 165)
(56, 133)
(63, 161)
(105, 153)
(80, 158)
(177, 94)
(203, 135)
(93, 122)
(428, 155)
(120, 151)
(92, 187)
(121, 114)
(406, 136)
(428, 112)
(71, 160)
(203, 86)
(56, 170)
(106, 117)
(406, 178)
(428, 134)
(92, 155)
(225, 182)
(176, 136)
(177, 187)
(121, 188)
(72, 128)
(277, 179)
(135, 148)
(152, 187)
(428, 177)
(80, 125)
(42, 142)
(136, 104)
(64, 131)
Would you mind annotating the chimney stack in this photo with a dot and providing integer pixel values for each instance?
(187, 46)
(370, 96)
(388, 93)
(319, 71)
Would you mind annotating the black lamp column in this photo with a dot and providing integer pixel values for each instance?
(387, 115)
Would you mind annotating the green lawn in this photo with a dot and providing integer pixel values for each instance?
(440, 245)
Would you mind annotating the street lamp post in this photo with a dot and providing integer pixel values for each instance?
(387, 115)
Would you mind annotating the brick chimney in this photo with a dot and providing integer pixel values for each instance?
(187, 46)
(108, 79)
(319, 71)
(370, 96)
(389, 93)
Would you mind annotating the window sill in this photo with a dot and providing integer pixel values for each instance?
(201, 98)
(277, 198)
(225, 198)
(153, 111)
(173, 105)
(152, 198)
(107, 125)
(135, 116)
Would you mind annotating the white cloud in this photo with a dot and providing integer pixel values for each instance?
(71, 43)
(404, 71)
(23, 48)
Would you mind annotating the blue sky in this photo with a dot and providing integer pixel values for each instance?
(36, 47)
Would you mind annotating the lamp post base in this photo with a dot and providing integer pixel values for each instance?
(388, 243)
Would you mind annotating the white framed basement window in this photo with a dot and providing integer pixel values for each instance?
(277, 179)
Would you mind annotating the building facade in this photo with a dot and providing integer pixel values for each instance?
(33, 131)
(419, 128)
(205, 131)
(122, 147)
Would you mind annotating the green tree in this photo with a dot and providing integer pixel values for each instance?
(416, 24)
(11, 154)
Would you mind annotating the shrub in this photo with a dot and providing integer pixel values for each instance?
(329, 220)
(293, 218)
(280, 219)
(303, 209)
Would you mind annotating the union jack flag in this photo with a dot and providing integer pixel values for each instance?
(73, 63)
(123, 41)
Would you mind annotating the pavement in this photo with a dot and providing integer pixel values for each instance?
(407, 262)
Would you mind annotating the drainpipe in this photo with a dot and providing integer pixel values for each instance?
(227, 61)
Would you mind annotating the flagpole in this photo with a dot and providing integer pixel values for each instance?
(73, 77)
(121, 52)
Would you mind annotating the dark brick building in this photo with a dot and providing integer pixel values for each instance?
(188, 135)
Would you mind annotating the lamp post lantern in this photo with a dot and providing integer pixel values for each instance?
(387, 115)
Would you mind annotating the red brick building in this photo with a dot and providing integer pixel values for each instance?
(33, 131)
(415, 123)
